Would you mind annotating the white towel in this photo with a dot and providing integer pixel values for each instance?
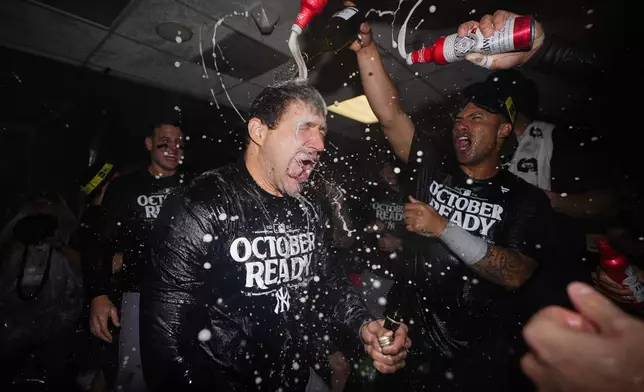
(531, 160)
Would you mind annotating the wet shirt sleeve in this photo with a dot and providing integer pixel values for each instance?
(345, 303)
(174, 299)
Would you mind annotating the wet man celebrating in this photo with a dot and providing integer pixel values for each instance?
(484, 234)
(241, 259)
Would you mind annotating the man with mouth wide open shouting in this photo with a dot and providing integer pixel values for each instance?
(131, 204)
(242, 274)
(481, 235)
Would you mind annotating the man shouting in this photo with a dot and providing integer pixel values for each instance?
(241, 271)
(481, 234)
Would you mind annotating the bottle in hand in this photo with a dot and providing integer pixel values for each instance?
(370, 376)
(516, 35)
(342, 29)
(391, 323)
(617, 267)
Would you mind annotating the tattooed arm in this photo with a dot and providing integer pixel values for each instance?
(506, 267)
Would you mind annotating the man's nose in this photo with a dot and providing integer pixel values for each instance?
(317, 142)
(460, 125)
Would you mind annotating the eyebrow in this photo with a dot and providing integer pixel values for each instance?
(469, 115)
(310, 124)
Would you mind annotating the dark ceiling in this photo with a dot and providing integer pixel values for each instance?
(119, 37)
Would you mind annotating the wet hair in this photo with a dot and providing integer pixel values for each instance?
(152, 129)
(271, 104)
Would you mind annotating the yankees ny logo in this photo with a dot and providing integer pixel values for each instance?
(282, 296)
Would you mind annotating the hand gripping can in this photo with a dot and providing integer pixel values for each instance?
(516, 35)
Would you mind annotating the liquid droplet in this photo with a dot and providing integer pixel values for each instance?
(204, 335)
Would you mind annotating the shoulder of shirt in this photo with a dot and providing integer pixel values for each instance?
(207, 185)
(522, 189)
(126, 181)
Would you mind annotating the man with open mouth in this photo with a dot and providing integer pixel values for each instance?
(242, 277)
(481, 235)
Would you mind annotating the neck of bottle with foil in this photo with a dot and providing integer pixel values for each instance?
(392, 324)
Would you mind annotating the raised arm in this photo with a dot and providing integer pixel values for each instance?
(382, 95)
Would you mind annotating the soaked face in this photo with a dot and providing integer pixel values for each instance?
(166, 148)
(292, 149)
(477, 134)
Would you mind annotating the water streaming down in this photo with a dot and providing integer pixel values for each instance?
(393, 41)
(214, 56)
(403, 31)
(203, 64)
(400, 42)
(296, 52)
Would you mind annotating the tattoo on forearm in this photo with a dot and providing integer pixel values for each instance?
(506, 267)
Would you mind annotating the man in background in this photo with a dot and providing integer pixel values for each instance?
(131, 205)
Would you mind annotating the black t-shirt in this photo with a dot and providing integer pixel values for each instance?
(455, 309)
(386, 205)
(131, 205)
(236, 277)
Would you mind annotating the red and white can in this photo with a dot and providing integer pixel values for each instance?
(517, 34)
(617, 267)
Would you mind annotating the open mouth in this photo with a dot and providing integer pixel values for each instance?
(304, 167)
(462, 143)
(171, 157)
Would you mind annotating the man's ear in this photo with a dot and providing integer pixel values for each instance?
(504, 131)
(148, 143)
(257, 131)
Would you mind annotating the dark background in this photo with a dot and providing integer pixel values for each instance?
(52, 113)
